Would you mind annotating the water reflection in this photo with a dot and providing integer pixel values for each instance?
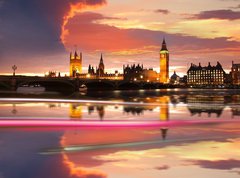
(140, 152)
(202, 150)
(200, 104)
(172, 106)
(75, 111)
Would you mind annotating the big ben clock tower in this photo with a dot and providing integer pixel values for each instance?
(164, 63)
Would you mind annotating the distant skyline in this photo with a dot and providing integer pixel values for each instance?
(38, 36)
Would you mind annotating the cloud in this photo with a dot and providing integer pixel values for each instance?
(31, 30)
(81, 172)
(1, 3)
(87, 34)
(76, 8)
(219, 164)
(235, 7)
(90, 35)
(163, 167)
(217, 14)
(162, 11)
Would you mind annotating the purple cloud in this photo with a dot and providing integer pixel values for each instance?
(220, 164)
(163, 167)
(217, 14)
(162, 11)
(235, 7)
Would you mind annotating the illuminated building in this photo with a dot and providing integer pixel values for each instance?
(138, 73)
(132, 72)
(100, 73)
(209, 75)
(75, 64)
(235, 72)
(164, 63)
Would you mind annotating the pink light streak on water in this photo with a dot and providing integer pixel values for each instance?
(60, 123)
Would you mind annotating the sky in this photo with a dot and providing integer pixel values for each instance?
(38, 36)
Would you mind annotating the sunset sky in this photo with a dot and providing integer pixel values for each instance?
(37, 35)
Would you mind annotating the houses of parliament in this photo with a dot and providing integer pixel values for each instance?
(134, 72)
(197, 75)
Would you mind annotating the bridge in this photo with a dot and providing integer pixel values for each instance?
(67, 84)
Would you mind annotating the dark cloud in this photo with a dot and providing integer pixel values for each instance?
(235, 7)
(32, 29)
(220, 164)
(162, 11)
(33, 26)
(163, 167)
(217, 14)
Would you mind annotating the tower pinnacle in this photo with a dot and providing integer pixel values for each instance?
(101, 59)
(164, 45)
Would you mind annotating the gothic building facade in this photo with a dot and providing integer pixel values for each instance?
(75, 64)
(208, 75)
(138, 73)
(131, 73)
(99, 72)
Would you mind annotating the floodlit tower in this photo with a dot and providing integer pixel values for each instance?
(164, 63)
(75, 64)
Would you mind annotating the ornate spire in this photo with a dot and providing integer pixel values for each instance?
(101, 59)
(75, 55)
(164, 45)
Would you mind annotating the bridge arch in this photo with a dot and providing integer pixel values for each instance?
(129, 85)
(4, 86)
(93, 84)
(51, 85)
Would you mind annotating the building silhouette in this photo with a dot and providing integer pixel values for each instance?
(138, 73)
(132, 72)
(135, 72)
(164, 63)
(208, 75)
(235, 73)
(75, 64)
(100, 70)
(174, 79)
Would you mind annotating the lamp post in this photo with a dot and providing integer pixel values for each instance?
(14, 67)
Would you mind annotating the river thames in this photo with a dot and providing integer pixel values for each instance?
(121, 134)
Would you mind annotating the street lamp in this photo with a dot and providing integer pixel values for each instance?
(14, 67)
